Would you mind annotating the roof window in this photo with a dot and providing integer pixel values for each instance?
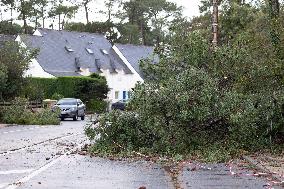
(104, 51)
(90, 51)
(69, 49)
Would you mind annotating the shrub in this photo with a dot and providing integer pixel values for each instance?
(97, 106)
(93, 90)
(19, 113)
(119, 131)
(57, 96)
(213, 105)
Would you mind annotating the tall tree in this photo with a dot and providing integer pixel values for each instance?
(12, 6)
(63, 12)
(85, 4)
(26, 11)
(215, 23)
(148, 18)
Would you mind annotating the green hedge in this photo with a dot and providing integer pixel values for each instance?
(85, 88)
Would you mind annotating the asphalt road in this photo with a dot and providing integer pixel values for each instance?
(36, 157)
(42, 157)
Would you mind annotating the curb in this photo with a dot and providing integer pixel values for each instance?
(7, 125)
(263, 169)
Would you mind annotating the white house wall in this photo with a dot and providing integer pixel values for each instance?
(119, 82)
(35, 70)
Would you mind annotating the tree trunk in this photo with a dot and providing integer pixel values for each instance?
(143, 33)
(215, 24)
(11, 9)
(109, 15)
(36, 23)
(59, 22)
(42, 14)
(86, 11)
(25, 23)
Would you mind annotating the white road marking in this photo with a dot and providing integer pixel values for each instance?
(15, 172)
(27, 129)
(35, 173)
(2, 185)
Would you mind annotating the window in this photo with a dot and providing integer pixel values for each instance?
(116, 94)
(124, 95)
(69, 49)
(89, 51)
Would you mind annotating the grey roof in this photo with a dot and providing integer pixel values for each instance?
(6, 38)
(135, 53)
(55, 59)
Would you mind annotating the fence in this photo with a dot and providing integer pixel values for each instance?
(32, 104)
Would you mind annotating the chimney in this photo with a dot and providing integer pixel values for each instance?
(77, 64)
(98, 65)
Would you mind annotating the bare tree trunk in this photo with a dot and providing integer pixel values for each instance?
(59, 21)
(36, 23)
(215, 23)
(109, 15)
(42, 13)
(86, 11)
(143, 33)
(25, 23)
(11, 9)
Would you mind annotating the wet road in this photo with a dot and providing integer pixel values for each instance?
(36, 157)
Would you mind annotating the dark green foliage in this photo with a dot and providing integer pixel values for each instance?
(95, 27)
(14, 61)
(215, 104)
(97, 106)
(10, 29)
(119, 129)
(85, 88)
(57, 96)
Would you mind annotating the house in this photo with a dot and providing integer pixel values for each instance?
(65, 53)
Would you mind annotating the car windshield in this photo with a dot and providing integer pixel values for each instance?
(67, 102)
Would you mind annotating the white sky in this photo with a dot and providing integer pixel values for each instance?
(190, 9)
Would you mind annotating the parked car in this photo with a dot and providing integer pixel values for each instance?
(120, 105)
(71, 108)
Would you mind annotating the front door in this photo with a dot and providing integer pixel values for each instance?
(124, 95)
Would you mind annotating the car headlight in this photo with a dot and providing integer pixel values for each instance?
(72, 109)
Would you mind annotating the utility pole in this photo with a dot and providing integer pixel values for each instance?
(215, 23)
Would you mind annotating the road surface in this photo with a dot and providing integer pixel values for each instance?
(44, 157)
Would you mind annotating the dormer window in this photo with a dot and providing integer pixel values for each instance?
(69, 49)
(104, 51)
(90, 51)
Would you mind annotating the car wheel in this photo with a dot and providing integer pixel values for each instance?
(62, 118)
(75, 118)
(83, 117)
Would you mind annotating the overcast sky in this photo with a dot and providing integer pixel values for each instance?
(190, 9)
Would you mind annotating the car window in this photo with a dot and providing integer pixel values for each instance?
(66, 102)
